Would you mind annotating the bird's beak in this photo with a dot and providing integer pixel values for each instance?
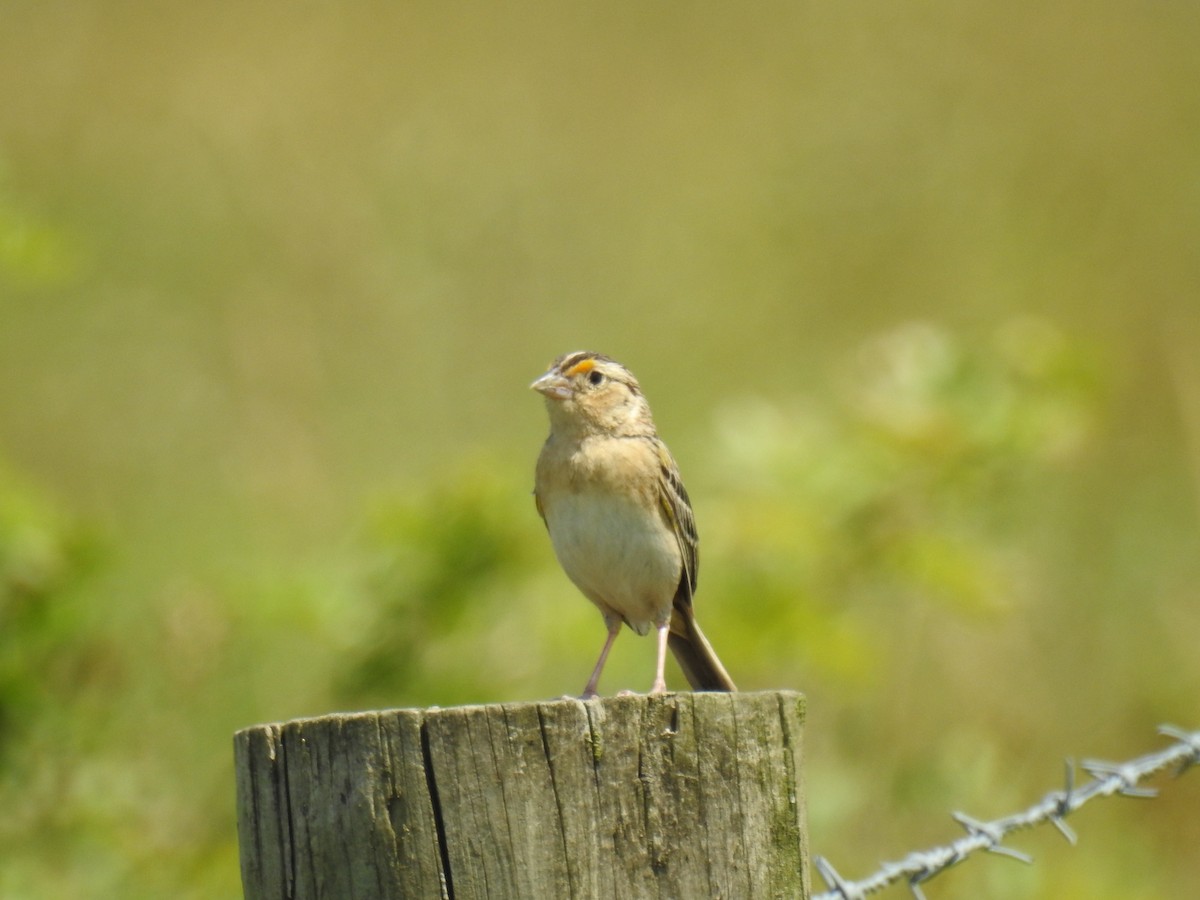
(553, 385)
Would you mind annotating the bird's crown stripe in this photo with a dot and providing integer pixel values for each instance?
(582, 367)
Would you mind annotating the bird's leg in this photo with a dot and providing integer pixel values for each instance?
(614, 628)
(660, 681)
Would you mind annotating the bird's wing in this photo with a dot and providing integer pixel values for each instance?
(677, 509)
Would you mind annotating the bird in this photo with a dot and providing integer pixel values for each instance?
(618, 515)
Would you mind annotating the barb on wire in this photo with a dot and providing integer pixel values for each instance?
(1107, 779)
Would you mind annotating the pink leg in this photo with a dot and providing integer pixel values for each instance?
(660, 681)
(614, 628)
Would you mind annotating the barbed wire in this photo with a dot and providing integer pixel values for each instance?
(1107, 779)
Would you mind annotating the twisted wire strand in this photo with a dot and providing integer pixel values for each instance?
(1107, 779)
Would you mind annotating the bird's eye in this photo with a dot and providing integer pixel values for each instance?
(595, 377)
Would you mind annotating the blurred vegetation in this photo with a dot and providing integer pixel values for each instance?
(914, 294)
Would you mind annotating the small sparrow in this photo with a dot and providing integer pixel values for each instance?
(618, 515)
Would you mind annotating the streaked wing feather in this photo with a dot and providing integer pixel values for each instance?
(678, 510)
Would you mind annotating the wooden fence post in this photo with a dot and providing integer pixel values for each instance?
(674, 795)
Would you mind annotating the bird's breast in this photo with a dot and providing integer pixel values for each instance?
(618, 550)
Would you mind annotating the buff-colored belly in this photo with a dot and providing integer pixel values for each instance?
(623, 558)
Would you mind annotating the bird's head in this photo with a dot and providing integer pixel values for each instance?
(589, 393)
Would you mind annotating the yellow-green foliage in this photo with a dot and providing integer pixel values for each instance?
(912, 291)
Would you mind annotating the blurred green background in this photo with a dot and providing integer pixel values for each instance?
(914, 291)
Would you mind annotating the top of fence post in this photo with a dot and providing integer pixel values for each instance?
(685, 795)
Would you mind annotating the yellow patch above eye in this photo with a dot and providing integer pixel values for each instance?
(581, 368)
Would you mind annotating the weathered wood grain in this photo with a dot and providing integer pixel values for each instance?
(674, 795)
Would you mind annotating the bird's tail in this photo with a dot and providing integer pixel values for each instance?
(695, 654)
